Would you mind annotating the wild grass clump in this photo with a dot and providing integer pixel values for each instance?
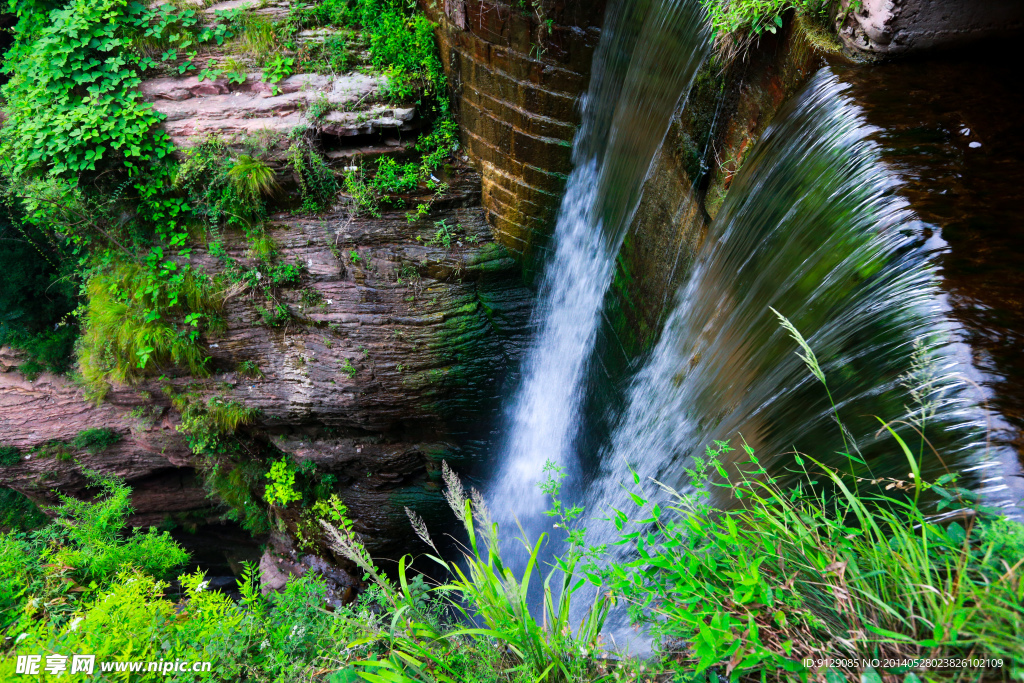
(819, 572)
(206, 421)
(812, 581)
(490, 598)
(138, 322)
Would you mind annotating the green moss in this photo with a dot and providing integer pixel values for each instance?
(9, 456)
(56, 449)
(96, 440)
(820, 36)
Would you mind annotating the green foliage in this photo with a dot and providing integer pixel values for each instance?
(9, 456)
(259, 35)
(281, 487)
(796, 574)
(238, 481)
(18, 513)
(756, 16)
(91, 540)
(74, 114)
(46, 575)
(96, 440)
(37, 294)
(54, 448)
(276, 315)
(223, 192)
(205, 423)
(141, 320)
(278, 68)
(72, 98)
(402, 46)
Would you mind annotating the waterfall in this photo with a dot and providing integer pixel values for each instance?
(648, 55)
(811, 227)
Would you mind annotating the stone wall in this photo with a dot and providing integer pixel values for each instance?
(516, 76)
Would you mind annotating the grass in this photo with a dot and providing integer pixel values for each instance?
(258, 36)
(763, 587)
(137, 323)
(252, 179)
(839, 569)
(206, 421)
(754, 16)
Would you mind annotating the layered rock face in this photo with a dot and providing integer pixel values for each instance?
(386, 353)
(517, 75)
(391, 343)
(41, 418)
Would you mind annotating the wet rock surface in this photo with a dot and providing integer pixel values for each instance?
(883, 28)
(728, 109)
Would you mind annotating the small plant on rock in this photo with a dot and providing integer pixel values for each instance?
(96, 440)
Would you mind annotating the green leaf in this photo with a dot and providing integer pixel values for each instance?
(870, 676)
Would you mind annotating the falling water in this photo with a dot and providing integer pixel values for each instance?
(649, 52)
(812, 228)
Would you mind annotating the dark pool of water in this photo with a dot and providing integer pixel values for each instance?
(952, 127)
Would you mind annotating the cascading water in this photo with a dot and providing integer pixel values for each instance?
(812, 228)
(649, 52)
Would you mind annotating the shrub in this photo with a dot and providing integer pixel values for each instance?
(48, 574)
